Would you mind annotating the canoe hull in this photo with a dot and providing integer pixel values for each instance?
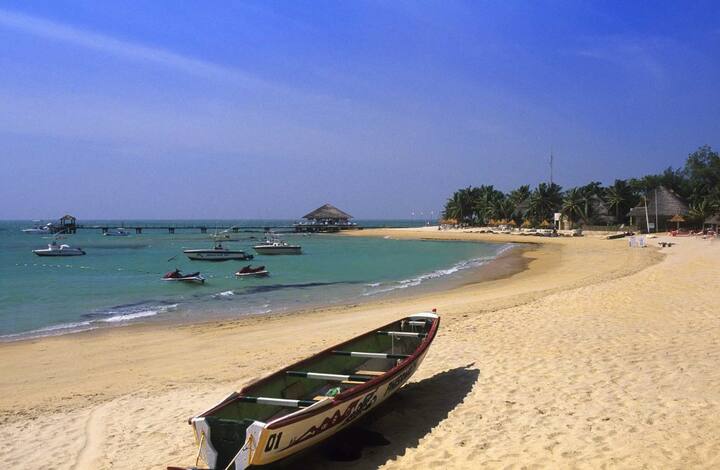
(278, 441)
(280, 438)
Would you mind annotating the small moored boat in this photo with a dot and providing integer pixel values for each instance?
(38, 229)
(116, 232)
(217, 253)
(249, 271)
(275, 246)
(309, 401)
(54, 249)
(176, 275)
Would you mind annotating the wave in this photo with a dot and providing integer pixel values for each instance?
(224, 295)
(133, 311)
(416, 281)
(52, 330)
(114, 315)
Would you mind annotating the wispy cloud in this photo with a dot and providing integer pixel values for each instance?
(630, 53)
(127, 49)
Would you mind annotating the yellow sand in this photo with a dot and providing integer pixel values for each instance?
(598, 355)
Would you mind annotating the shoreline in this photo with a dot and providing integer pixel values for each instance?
(177, 371)
(506, 263)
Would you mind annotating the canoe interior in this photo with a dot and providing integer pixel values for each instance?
(229, 420)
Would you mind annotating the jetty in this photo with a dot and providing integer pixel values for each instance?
(171, 228)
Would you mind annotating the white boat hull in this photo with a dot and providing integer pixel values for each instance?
(59, 252)
(193, 279)
(216, 255)
(256, 274)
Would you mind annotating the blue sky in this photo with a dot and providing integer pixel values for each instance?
(265, 109)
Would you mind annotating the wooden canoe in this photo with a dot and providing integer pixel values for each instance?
(309, 401)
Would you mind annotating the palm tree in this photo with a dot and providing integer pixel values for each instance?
(545, 200)
(484, 203)
(701, 210)
(459, 206)
(520, 194)
(574, 205)
(504, 208)
(619, 197)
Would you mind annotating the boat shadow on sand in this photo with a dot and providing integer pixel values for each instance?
(394, 426)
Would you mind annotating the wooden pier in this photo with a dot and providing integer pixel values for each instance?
(104, 228)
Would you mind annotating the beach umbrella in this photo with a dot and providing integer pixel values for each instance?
(527, 224)
(545, 224)
(677, 218)
(512, 222)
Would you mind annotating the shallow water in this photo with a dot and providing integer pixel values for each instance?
(118, 281)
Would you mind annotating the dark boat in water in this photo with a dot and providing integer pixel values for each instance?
(249, 271)
(177, 276)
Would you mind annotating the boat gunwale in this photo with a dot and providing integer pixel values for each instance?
(344, 396)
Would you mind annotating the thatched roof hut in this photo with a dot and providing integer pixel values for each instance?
(661, 202)
(713, 220)
(328, 213)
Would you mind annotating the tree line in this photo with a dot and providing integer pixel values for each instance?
(698, 182)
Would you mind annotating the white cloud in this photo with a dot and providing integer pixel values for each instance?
(127, 49)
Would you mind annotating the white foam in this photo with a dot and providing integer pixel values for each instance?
(227, 293)
(130, 316)
(416, 281)
(51, 330)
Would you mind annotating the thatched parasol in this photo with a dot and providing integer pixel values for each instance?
(526, 224)
(492, 222)
(545, 224)
(448, 222)
(512, 222)
(677, 218)
(328, 212)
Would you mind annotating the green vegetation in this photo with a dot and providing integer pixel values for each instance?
(698, 182)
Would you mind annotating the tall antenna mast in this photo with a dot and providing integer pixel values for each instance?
(551, 165)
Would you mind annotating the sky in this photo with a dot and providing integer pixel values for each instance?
(269, 109)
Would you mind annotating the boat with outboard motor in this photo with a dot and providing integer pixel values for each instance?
(307, 402)
(275, 246)
(178, 276)
(249, 271)
(54, 249)
(38, 229)
(217, 253)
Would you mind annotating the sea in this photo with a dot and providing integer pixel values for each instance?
(117, 283)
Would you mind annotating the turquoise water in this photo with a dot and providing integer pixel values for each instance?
(118, 281)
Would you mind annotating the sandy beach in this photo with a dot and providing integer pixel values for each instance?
(594, 355)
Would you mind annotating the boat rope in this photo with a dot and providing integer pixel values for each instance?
(202, 439)
(251, 446)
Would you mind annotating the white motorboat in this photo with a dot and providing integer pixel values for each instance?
(38, 229)
(117, 232)
(54, 249)
(217, 253)
(275, 246)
